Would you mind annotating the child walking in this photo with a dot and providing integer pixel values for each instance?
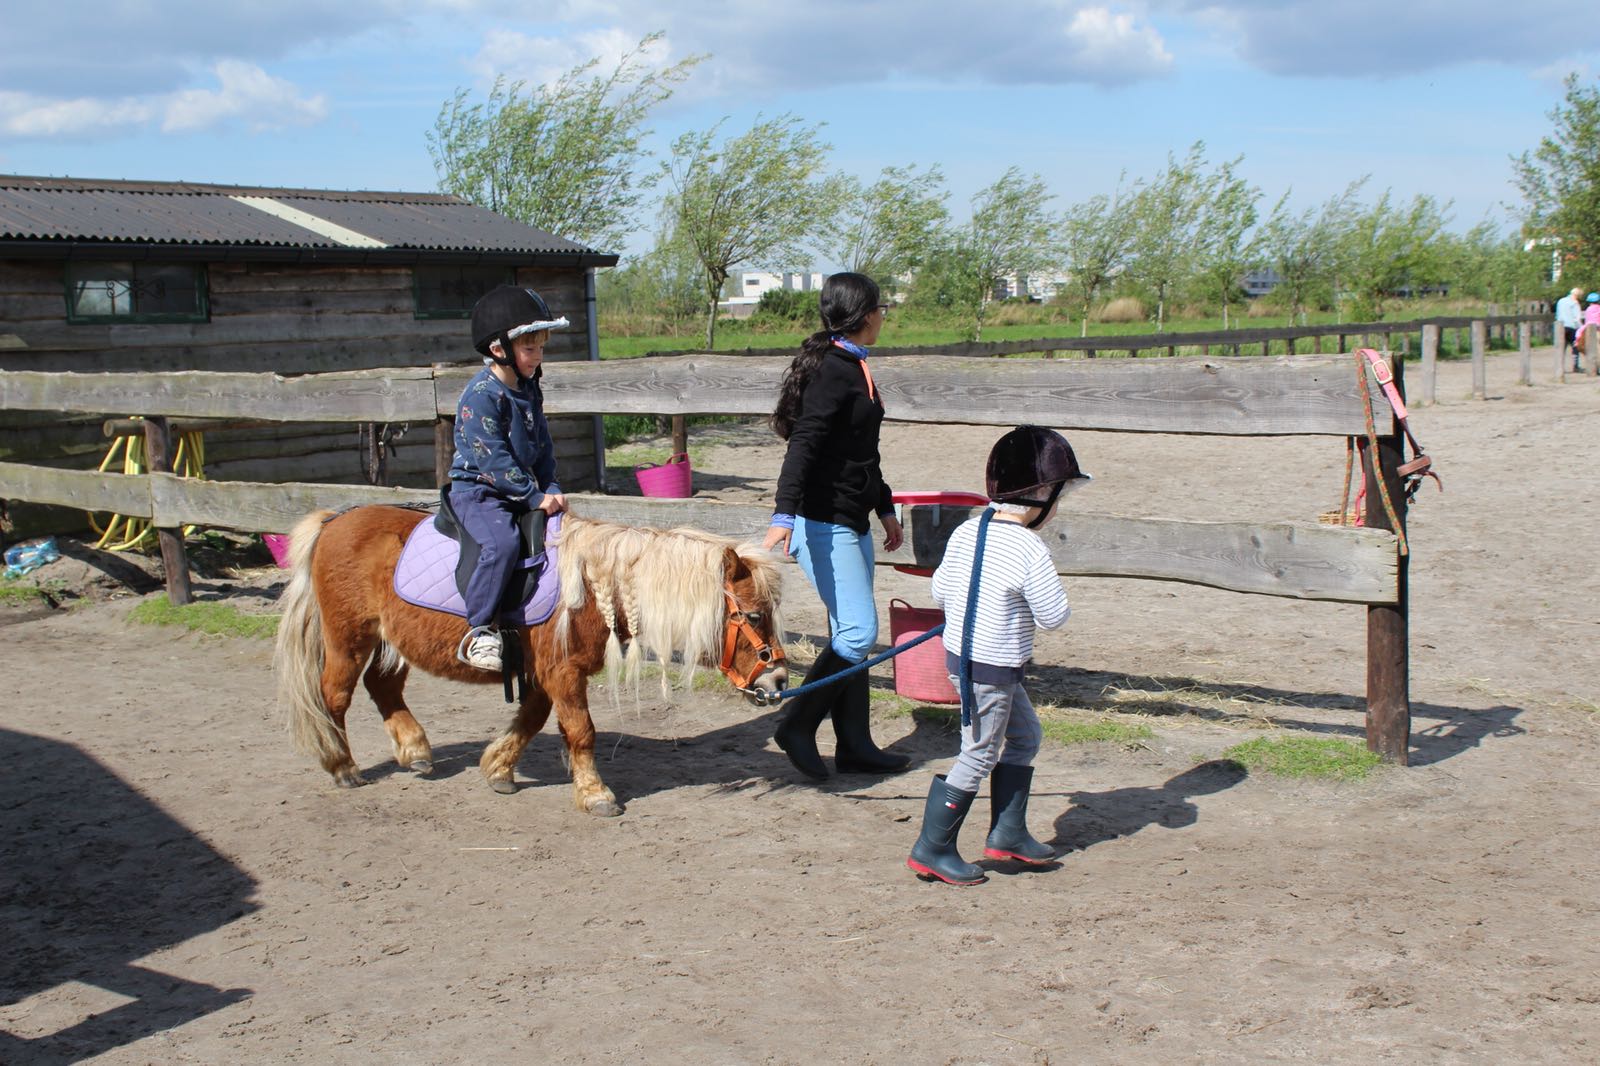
(997, 583)
(505, 463)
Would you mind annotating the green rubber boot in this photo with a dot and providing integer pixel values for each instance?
(934, 855)
(1008, 817)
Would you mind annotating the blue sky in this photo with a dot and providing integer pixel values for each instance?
(1424, 96)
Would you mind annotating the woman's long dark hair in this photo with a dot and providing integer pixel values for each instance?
(847, 300)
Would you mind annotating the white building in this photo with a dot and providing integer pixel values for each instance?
(1040, 287)
(747, 287)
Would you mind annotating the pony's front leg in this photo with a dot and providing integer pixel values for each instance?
(386, 682)
(589, 793)
(499, 760)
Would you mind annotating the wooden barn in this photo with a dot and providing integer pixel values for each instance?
(138, 276)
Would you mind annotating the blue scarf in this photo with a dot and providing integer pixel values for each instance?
(851, 346)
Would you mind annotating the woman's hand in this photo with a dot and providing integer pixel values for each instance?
(553, 503)
(776, 535)
(893, 535)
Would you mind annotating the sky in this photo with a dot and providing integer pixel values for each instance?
(1423, 96)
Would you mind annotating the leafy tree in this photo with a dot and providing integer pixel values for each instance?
(1494, 266)
(1304, 248)
(563, 156)
(1010, 233)
(755, 198)
(885, 230)
(1167, 213)
(1560, 180)
(664, 282)
(1097, 238)
(1388, 249)
(1227, 245)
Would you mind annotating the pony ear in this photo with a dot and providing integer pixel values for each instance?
(731, 563)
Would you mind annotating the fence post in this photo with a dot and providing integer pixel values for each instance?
(1480, 341)
(1525, 353)
(680, 435)
(1430, 363)
(1388, 625)
(174, 562)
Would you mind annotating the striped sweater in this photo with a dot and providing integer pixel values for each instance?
(1018, 591)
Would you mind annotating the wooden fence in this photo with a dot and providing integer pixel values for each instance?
(1249, 396)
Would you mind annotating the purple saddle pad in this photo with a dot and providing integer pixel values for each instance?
(425, 576)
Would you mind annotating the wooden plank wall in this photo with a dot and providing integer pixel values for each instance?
(268, 318)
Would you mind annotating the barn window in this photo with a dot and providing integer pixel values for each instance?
(444, 291)
(136, 292)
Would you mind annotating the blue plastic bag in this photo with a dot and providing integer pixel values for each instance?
(30, 555)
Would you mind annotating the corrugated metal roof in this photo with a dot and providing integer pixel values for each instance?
(180, 213)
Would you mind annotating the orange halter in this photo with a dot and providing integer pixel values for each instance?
(738, 622)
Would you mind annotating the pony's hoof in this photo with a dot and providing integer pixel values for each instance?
(350, 778)
(503, 785)
(605, 808)
(422, 766)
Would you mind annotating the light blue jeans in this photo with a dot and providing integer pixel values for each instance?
(838, 562)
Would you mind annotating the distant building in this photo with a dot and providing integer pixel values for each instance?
(1038, 287)
(746, 288)
(1261, 282)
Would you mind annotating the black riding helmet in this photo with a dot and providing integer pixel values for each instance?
(506, 312)
(1032, 466)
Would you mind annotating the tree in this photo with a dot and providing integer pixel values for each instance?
(886, 230)
(1388, 249)
(1560, 180)
(1010, 233)
(1227, 245)
(756, 198)
(1096, 241)
(1304, 248)
(1166, 216)
(563, 156)
(1493, 266)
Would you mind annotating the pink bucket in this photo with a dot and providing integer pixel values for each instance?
(278, 545)
(671, 479)
(919, 674)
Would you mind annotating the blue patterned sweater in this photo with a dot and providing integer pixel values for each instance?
(503, 441)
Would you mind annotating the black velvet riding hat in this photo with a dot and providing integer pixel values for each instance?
(1027, 463)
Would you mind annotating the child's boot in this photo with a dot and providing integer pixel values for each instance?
(1008, 817)
(856, 753)
(934, 854)
(480, 648)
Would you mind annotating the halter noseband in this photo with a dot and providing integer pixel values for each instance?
(738, 622)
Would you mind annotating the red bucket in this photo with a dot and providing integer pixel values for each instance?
(278, 545)
(671, 479)
(919, 674)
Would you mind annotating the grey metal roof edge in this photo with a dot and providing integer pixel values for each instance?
(49, 184)
(76, 249)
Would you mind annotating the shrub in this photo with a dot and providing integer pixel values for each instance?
(789, 305)
(1122, 309)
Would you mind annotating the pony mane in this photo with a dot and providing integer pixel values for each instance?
(669, 584)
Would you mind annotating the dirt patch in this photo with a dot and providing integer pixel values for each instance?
(179, 886)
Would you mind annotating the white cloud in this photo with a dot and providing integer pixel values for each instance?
(538, 60)
(25, 115)
(246, 93)
(1115, 48)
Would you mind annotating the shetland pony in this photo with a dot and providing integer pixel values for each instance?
(662, 592)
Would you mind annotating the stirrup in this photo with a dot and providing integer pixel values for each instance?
(466, 641)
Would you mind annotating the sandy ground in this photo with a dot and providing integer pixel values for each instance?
(178, 886)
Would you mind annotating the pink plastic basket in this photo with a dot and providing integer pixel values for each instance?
(278, 545)
(672, 479)
(919, 674)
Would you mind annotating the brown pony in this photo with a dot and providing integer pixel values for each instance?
(664, 592)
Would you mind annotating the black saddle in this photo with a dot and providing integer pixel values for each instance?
(524, 579)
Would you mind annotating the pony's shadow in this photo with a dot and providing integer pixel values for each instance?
(1096, 817)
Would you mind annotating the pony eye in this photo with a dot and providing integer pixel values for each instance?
(754, 616)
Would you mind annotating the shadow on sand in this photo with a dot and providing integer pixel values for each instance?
(93, 876)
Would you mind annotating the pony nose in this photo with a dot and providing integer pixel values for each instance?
(778, 678)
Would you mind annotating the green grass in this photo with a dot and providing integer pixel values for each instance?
(1305, 757)
(218, 619)
(1080, 731)
(15, 592)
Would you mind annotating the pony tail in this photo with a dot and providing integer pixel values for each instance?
(795, 380)
(298, 656)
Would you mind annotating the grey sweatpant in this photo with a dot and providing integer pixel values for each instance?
(1003, 716)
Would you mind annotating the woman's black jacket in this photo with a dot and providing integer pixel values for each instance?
(831, 471)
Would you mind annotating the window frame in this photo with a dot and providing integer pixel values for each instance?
(202, 284)
(508, 277)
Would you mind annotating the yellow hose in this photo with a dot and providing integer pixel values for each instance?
(126, 533)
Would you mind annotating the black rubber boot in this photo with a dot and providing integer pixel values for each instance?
(852, 717)
(934, 854)
(797, 733)
(1008, 817)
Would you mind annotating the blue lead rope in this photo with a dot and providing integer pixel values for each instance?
(969, 619)
(791, 693)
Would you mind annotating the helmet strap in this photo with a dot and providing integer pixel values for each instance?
(505, 358)
(1044, 505)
